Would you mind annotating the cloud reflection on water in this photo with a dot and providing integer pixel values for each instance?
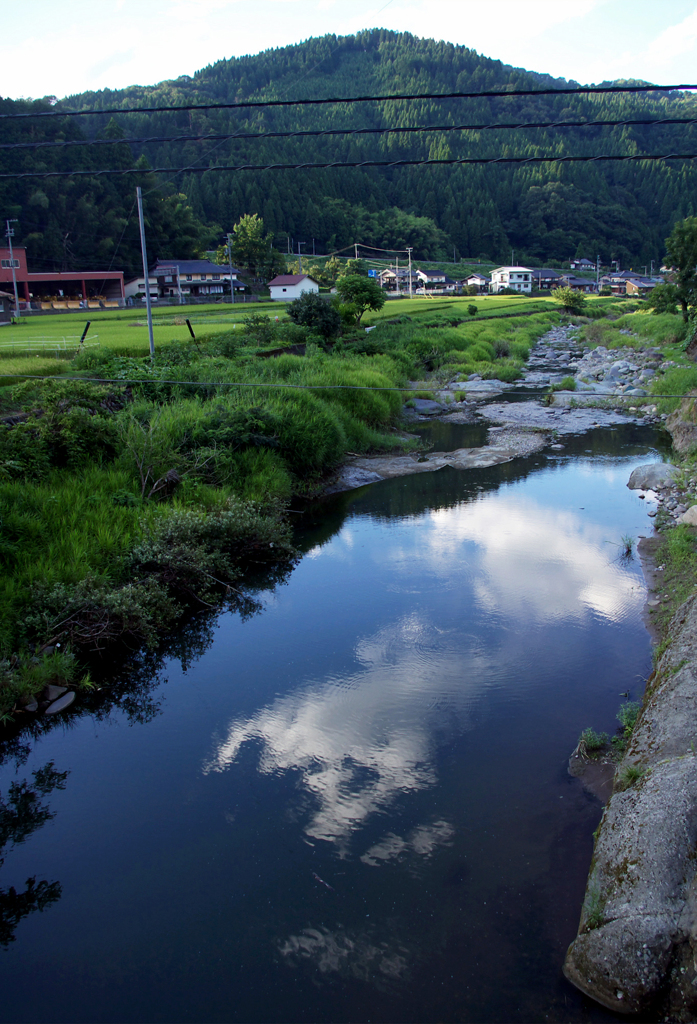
(533, 562)
(364, 738)
(360, 740)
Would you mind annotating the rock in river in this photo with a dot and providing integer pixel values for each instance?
(652, 476)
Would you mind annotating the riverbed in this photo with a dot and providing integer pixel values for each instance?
(353, 804)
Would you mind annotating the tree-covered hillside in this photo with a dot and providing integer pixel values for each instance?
(543, 212)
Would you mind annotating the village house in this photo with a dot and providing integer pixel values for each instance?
(192, 279)
(577, 284)
(641, 286)
(519, 279)
(544, 278)
(479, 281)
(434, 281)
(581, 265)
(135, 287)
(627, 282)
(396, 279)
(287, 287)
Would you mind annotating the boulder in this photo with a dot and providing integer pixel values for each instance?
(689, 518)
(652, 476)
(427, 407)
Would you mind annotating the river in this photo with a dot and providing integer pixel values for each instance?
(354, 804)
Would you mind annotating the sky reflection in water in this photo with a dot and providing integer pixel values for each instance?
(355, 805)
(361, 739)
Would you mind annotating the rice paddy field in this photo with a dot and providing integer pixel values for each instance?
(42, 345)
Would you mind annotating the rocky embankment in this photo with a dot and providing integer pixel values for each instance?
(636, 950)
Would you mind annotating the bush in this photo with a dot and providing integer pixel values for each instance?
(593, 740)
(260, 327)
(472, 309)
(315, 314)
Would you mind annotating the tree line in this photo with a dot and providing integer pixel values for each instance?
(545, 213)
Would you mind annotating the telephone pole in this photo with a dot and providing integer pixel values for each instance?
(409, 248)
(9, 234)
(229, 259)
(355, 249)
(597, 272)
(139, 196)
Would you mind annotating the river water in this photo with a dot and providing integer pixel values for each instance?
(354, 804)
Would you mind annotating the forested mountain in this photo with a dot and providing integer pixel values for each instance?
(545, 212)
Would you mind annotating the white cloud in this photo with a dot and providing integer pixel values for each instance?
(144, 43)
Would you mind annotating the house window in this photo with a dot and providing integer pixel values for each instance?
(284, 289)
(10, 263)
(203, 277)
(216, 277)
(189, 277)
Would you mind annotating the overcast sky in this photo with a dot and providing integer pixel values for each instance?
(59, 47)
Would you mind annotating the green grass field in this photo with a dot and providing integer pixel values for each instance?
(31, 347)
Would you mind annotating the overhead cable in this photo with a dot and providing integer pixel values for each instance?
(604, 158)
(320, 133)
(244, 104)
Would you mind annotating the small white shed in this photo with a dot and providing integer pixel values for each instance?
(286, 287)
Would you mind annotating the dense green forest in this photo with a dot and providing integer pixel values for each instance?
(546, 212)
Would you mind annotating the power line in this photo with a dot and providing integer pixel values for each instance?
(486, 94)
(450, 161)
(321, 132)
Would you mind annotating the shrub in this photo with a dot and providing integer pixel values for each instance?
(316, 314)
(593, 740)
(260, 327)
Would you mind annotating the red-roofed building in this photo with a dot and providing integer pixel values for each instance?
(286, 287)
(74, 283)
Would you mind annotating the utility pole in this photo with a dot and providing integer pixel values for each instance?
(652, 268)
(10, 233)
(300, 259)
(288, 237)
(355, 249)
(597, 273)
(409, 248)
(313, 247)
(229, 259)
(139, 196)
(512, 261)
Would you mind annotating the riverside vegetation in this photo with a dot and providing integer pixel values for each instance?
(140, 491)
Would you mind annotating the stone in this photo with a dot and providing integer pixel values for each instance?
(689, 518)
(52, 692)
(61, 704)
(427, 407)
(652, 476)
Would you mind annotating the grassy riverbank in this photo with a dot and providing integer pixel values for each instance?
(134, 491)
